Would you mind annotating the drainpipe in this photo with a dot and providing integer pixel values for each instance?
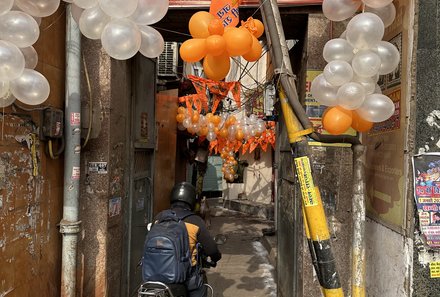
(69, 225)
(359, 209)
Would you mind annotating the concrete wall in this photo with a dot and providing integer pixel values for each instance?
(31, 205)
(100, 246)
(426, 126)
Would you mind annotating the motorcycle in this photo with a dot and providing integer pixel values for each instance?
(160, 289)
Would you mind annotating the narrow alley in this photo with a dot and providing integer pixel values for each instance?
(246, 268)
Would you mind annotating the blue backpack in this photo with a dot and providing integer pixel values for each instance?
(167, 255)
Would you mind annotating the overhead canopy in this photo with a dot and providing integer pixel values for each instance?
(207, 3)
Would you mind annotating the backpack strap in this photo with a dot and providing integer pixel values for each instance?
(187, 213)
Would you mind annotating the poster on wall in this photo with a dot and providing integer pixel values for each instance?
(426, 169)
(387, 153)
(314, 110)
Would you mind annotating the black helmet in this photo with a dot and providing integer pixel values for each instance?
(184, 192)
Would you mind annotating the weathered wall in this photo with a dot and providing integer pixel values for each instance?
(426, 126)
(258, 176)
(102, 194)
(31, 206)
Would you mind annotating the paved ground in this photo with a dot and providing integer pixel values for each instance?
(244, 270)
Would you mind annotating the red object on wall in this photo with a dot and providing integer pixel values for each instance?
(244, 3)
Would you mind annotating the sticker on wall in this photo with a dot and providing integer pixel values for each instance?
(98, 167)
(114, 206)
(434, 269)
(75, 173)
(75, 119)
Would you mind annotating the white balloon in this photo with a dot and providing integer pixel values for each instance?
(338, 72)
(376, 108)
(19, 28)
(5, 6)
(387, 13)
(30, 57)
(323, 91)
(389, 55)
(211, 136)
(7, 100)
(369, 83)
(92, 22)
(118, 8)
(152, 42)
(11, 61)
(365, 30)
(38, 8)
(338, 49)
(121, 39)
(85, 3)
(31, 87)
(76, 12)
(150, 11)
(4, 88)
(366, 63)
(339, 10)
(351, 95)
(377, 3)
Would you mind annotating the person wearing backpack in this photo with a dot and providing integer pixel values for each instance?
(172, 247)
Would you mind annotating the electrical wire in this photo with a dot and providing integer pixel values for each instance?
(89, 88)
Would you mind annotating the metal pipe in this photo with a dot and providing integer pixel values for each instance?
(359, 209)
(69, 225)
(281, 60)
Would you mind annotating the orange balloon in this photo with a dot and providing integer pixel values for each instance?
(216, 68)
(238, 41)
(216, 120)
(198, 24)
(215, 27)
(181, 109)
(193, 50)
(239, 135)
(336, 120)
(195, 117)
(255, 53)
(215, 45)
(203, 131)
(260, 28)
(223, 133)
(359, 124)
(180, 117)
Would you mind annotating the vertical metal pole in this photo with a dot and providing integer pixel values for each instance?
(69, 225)
(359, 208)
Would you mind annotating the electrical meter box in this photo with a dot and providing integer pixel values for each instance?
(52, 123)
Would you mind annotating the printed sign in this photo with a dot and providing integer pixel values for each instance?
(75, 173)
(427, 195)
(226, 11)
(434, 269)
(98, 167)
(306, 181)
(114, 206)
(75, 119)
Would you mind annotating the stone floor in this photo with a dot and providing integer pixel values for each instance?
(245, 269)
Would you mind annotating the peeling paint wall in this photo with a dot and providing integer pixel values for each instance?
(31, 184)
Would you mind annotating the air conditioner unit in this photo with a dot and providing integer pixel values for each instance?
(168, 60)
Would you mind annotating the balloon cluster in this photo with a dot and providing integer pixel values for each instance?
(226, 130)
(19, 30)
(216, 44)
(348, 84)
(122, 25)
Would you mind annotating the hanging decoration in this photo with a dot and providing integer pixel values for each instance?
(123, 26)
(19, 30)
(348, 85)
(216, 41)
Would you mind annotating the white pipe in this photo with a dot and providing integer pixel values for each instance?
(69, 225)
